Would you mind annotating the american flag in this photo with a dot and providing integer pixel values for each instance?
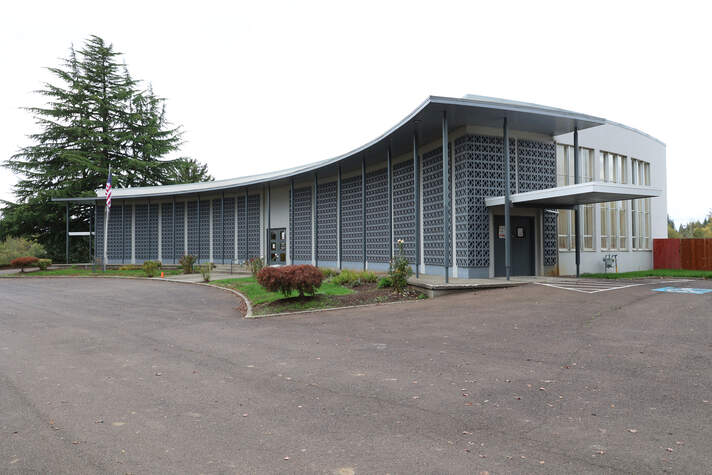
(108, 190)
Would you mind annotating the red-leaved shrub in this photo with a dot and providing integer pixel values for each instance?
(304, 279)
(23, 262)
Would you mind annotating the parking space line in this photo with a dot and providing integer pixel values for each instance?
(587, 286)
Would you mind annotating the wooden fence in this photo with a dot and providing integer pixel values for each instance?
(690, 254)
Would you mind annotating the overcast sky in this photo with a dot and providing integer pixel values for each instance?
(261, 86)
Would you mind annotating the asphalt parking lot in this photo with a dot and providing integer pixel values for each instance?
(131, 376)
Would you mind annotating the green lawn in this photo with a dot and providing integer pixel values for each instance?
(653, 273)
(258, 295)
(79, 272)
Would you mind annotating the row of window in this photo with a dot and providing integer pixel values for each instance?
(614, 216)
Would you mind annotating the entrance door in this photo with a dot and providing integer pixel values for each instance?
(522, 245)
(277, 246)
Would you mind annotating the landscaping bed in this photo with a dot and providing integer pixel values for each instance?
(329, 295)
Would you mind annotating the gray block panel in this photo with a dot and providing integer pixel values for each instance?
(326, 237)
(377, 217)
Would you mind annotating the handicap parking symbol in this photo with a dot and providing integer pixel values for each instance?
(683, 290)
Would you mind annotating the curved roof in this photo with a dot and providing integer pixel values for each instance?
(425, 120)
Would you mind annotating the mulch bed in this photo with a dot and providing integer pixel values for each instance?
(366, 293)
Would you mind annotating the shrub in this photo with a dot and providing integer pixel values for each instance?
(399, 269)
(130, 267)
(304, 279)
(385, 282)
(205, 270)
(329, 273)
(368, 276)
(12, 248)
(43, 264)
(256, 264)
(346, 277)
(186, 262)
(25, 261)
(151, 268)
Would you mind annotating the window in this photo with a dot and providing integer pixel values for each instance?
(613, 169)
(640, 208)
(565, 176)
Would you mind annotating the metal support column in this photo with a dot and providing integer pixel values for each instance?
(416, 199)
(507, 205)
(198, 213)
(222, 224)
(389, 179)
(446, 200)
(577, 208)
(66, 238)
(269, 223)
(363, 209)
(316, 220)
(291, 221)
(338, 212)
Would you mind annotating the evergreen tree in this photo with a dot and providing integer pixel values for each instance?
(96, 116)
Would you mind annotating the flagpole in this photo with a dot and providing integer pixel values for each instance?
(106, 231)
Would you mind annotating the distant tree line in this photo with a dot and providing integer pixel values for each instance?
(95, 116)
(693, 229)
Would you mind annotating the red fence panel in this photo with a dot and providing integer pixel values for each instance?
(666, 254)
(696, 254)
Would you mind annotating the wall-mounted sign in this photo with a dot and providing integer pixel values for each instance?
(519, 232)
(501, 233)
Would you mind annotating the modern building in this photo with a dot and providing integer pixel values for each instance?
(349, 211)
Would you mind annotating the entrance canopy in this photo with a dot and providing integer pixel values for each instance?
(563, 197)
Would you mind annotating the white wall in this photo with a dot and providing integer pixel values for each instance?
(622, 140)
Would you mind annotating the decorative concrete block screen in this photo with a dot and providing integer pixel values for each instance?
(537, 171)
(479, 174)
(302, 224)
(253, 223)
(204, 231)
(229, 226)
(167, 232)
(217, 230)
(351, 220)
(127, 213)
(192, 210)
(241, 228)
(141, 233)
(99, 233)
(180, 230)
(326, 206)
(377, 218)
(433, 239)
(404, 208)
